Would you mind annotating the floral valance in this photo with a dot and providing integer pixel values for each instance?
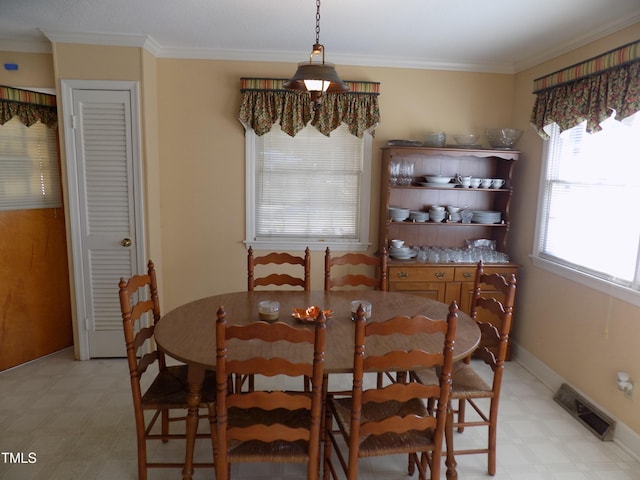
(30, 107)
(266, 102)
(589, 91)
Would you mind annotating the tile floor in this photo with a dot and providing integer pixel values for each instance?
(76, 420)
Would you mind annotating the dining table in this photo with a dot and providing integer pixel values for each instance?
(187, 334)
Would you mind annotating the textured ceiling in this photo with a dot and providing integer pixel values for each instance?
(492, 35)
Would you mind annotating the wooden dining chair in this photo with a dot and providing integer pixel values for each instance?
(468, 385)
(269, 426)
(350, 279)
(280, 279)
(392, 419)
(167, 391)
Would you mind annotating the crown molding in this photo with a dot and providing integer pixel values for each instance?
(108, 39)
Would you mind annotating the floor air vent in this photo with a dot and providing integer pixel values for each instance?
(592, 418)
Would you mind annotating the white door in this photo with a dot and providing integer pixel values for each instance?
(103, 171)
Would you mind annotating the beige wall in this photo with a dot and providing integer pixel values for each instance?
(583, 335)
(202, 160)
(34, 70)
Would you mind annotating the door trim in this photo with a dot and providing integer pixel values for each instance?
(78, 276)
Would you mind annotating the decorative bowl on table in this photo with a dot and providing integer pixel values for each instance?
(310, 314)
(503, 138)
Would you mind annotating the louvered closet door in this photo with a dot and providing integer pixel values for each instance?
(104, 152)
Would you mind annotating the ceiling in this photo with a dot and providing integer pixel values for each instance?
(503, 36)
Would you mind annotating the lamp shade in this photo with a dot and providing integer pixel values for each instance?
(321, 77)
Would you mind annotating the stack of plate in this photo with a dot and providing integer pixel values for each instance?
(402, 253)
(486, 216)
(398, 214)
(418, 216)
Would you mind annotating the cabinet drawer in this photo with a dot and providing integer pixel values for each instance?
(420, 274)
(468, 273)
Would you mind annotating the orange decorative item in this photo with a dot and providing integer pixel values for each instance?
(310, 314)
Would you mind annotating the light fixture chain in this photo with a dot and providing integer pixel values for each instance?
(317, 21)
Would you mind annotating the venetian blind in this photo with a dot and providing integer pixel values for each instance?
(588, 219)
(308, 186)
(29, 162)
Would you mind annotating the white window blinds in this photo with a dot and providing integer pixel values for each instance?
(309, 187)
(29, 166)
(589, 219)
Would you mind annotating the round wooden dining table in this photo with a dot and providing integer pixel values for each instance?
(187, 333)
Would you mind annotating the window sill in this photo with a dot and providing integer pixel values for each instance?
(617, 291)
(283, 245)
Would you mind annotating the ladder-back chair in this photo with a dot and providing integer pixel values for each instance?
(269, 426)
(392, 419)
(168, 390)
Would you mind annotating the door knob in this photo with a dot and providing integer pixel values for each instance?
(126, 242)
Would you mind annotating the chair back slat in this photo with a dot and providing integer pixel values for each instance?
(280, 278)
(356, 279)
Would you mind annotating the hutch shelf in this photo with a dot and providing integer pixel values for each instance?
(444, 281)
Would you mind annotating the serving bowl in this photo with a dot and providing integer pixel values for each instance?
(503, 137)
(435, 139)
(467, 139)
(437, 179)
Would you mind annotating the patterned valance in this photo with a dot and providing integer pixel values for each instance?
(590, 91)
(266, 102)
(30, 107)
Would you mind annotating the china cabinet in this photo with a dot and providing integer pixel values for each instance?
(451, 280)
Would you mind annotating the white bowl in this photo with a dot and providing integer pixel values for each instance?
(397, 243)
(437, 179)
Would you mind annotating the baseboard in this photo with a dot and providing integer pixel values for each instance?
(624, 437)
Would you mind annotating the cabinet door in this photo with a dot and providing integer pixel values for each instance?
(433, 290)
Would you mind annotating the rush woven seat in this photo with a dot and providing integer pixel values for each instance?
(393, 419)
(169, 388)
(262, 425)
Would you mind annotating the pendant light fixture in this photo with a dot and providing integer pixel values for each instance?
(315, 77)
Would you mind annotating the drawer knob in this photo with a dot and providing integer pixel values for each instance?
(403, 274)
(467, 274)
(439, 274)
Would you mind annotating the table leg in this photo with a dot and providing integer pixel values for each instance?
(450, 462)
(195, 379)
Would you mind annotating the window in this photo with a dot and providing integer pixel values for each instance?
(588, 221)
(29, 165)
(308, 190)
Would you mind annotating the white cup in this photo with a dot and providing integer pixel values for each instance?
(397, 243)
(475, 182)
(436, 208)
(486, 183)
(497, 183)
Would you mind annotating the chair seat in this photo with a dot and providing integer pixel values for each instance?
(387, 443)
(468, 384)
(170, 389)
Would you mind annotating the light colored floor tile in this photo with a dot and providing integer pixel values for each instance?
(78, 420)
